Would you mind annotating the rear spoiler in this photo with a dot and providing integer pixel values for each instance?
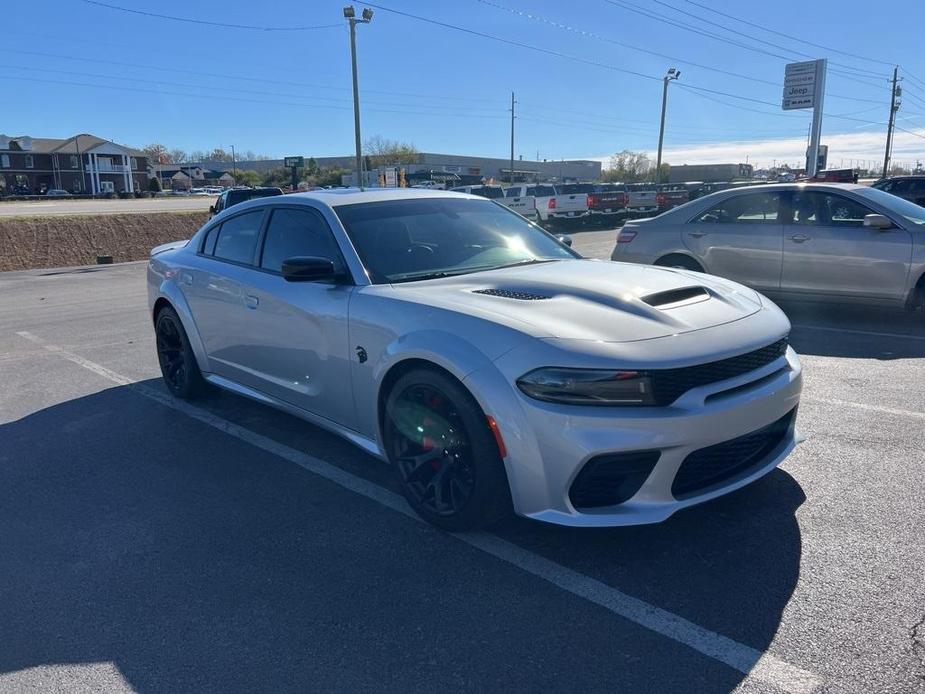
(168, 247)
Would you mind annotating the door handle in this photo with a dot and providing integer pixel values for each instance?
(799, 238)
(698, 234)
(251, 301)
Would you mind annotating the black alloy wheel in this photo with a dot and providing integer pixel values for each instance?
(175, 356)
(446, 458)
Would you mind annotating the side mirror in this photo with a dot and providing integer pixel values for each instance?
(565, 238)
(211, 209)
(877, 221)
(308, 269)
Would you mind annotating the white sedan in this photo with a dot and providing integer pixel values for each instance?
(486, 361)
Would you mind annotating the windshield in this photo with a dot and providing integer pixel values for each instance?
(405, 240)
(909, 210)
(573, 188)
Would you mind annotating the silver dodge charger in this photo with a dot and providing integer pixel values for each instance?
(486, 361)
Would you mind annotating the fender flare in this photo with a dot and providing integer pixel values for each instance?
(171, 293)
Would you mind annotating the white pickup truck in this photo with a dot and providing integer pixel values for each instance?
(552, 205)
(523, 204)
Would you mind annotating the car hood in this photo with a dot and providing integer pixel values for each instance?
(590, 300)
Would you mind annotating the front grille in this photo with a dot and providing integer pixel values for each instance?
(511, 294)
(704, 469)
(670, 384)
(611, 479)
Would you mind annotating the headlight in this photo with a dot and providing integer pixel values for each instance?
(588, 387)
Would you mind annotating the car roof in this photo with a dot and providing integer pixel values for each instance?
(353, 196)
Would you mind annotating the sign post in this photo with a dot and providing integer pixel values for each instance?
(804, 87)
(294, 163)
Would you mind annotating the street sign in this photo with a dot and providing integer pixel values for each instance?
(289, 162)
(391, 178)
(800, 84)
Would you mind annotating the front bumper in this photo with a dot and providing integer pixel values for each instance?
(549, 444)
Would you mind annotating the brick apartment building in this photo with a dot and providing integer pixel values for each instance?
(80, 164)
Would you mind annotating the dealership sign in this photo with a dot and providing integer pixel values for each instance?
(801, 82)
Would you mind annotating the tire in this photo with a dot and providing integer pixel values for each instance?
(175, 356)
(459, 485)
(682, 262)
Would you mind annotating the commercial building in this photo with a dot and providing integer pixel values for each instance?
(449, 166)
(79, 164)
(709, 173)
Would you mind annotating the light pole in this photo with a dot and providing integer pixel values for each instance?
(366, 18)
(673, 74)
(234, 165)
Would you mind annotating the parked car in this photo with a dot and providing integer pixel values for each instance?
(670, 195)
(642, 199)
(835, 176)
(912, 188)
(608, 202)
(522, 205)
(487, 362)
(800, 241)
(554, 204)
(235, 196)
(57, 192)
(431, 185)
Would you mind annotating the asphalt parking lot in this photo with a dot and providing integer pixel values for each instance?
(153, 545)
(41, 208)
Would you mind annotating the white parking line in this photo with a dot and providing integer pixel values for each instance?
(864, 406)
(857, 332)
(745, 659)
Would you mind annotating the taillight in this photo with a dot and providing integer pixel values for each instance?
(589, 201)
(551, 205)
(626, 236)
(660, 199)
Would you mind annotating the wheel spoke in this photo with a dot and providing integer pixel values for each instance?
(420, 465)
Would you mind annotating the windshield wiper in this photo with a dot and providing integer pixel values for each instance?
(437, 274)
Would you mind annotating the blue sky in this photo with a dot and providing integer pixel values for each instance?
(73, 66)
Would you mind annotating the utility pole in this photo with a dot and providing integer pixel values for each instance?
(350, 16)
(673, 74)
(512, 138)
(894, 107)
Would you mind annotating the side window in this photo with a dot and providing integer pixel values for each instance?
(237, 239)
(757, 208)
(512, 193)
(531, 190)
(208, 245)
(825, 209)
(294, 233)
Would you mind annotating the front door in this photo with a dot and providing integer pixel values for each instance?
(740, 237)
(298, 346)
(829, 251)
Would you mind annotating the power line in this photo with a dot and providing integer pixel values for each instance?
(451, 113)
(590, 34)
(511, 42)
(262, 80)
(787, 36)
(205, 22)
(222, 89)
(724, 39)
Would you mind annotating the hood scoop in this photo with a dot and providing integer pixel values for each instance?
(511, 294)
(675, 298)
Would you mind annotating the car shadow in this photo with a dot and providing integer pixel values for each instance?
(135, 535)
(854, 331)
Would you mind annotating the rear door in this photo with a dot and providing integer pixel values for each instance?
(829, 251)
(522, 204)
(740, 237)
(216, 290)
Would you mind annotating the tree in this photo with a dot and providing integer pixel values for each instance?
(247, 178)
(196, 156)
(218, 154)
(154, 185)
(177, 156)
(383, 152)
(311, 168)
(629, 167)
(156, 153)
